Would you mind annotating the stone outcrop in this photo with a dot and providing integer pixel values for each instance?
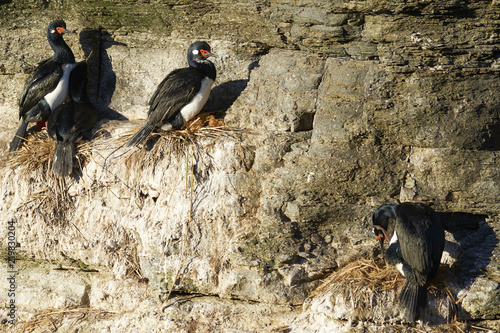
(331, 108)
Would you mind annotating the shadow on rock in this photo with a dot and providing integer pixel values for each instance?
(491, 137)
(474, 242)
(224, 95)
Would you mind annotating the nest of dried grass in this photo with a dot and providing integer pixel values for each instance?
(160, 146)
(36, 154)
(203, 126)
(373, 274)
(359, 278)
(50, 320)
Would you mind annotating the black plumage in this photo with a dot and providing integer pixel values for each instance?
(415, 248)
(45, 89)
(181, 95)
(78, 80)
(70, 121)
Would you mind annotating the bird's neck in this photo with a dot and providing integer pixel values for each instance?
(62, 52)
(206, 66)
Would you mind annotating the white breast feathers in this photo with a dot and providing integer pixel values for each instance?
(194, 107)
(60, 93)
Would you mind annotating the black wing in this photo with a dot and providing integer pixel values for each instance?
(413, 226)
(41, 82)
(174, 92)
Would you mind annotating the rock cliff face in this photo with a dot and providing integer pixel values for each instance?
(331, 108)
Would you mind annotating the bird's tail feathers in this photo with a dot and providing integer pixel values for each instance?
(412, 300)
(141, 135)
(62, 160)
(19, 136)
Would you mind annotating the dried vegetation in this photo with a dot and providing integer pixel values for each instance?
(50, 320)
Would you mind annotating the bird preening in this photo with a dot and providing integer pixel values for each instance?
(415, 248)
(181, 95)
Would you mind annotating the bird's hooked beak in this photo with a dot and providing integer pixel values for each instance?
(207, 54)
(62, 31)
(385, 237)
(381, 240)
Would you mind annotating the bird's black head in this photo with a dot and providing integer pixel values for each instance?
(197, 56)
(56, 29)
(62, 52)
(381, 218)
(199, 51)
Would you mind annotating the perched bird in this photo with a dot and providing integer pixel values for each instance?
(47, 87)
(181, 95)
(69, 121)
(415, 249)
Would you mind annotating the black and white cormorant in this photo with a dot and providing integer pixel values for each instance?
(47, 87)
(69, 121)
(415, 249)
(181, 95)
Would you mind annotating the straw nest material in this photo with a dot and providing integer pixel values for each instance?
(161, 146)
(373, 274)
(358, 279)
(36, 153)
(203, 126)
(50, 320)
